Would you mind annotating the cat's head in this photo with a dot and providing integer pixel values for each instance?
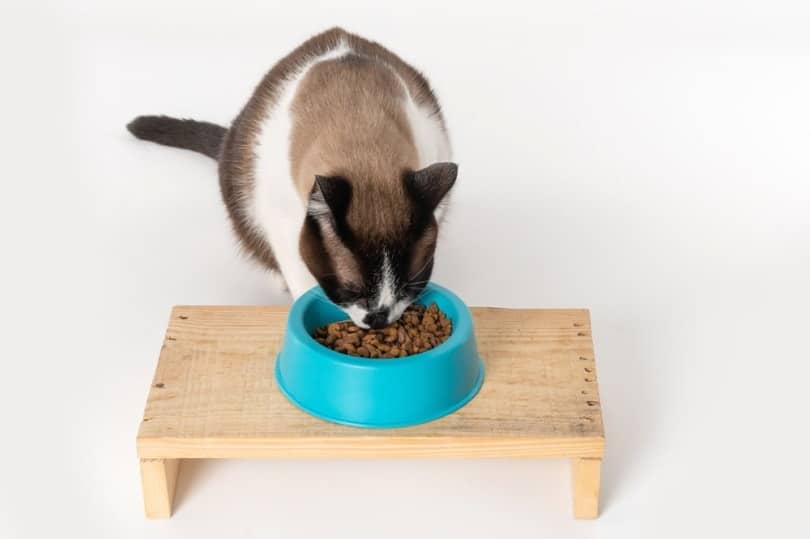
(370, 245)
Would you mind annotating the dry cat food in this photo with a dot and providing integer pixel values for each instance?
(419, 329)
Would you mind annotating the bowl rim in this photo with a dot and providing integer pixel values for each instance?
(462, 331)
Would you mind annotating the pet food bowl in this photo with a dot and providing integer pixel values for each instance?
(378, 393)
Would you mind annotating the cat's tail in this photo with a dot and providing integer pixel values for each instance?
(203, 137)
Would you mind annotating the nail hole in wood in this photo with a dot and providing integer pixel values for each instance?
(588, 370)
(159, 385)
(183, 317)
(592, 403)
(589, 379)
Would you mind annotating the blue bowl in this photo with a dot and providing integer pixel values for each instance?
(378, 393)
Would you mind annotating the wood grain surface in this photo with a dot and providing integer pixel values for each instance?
(214, 394)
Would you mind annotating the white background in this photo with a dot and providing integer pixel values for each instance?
(647, 160)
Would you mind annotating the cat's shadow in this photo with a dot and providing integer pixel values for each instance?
(631, 388)
(192, 473)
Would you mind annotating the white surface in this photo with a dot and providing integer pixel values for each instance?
(649, 162)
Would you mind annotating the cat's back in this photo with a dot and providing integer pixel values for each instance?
(253, 127)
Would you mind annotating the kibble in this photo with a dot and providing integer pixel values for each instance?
(419, 329)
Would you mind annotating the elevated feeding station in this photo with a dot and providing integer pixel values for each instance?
(214, 395)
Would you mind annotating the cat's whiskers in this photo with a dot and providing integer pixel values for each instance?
(428, 261)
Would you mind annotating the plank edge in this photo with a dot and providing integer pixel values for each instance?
(370, 447)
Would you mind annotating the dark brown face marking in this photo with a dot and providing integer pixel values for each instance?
(383, 271)
(420, 263)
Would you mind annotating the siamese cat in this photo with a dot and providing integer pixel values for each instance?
(336, 173)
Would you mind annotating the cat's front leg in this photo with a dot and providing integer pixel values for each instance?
(282, 226)
(299, 279)
(293, 270)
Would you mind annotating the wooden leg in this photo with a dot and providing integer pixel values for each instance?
(585, 475)
(158, 477)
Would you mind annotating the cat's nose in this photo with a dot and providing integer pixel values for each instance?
(377, 319)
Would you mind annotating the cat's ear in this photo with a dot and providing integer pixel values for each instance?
(330, 196)
(431, 184)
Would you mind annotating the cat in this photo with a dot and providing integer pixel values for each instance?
(337, 172)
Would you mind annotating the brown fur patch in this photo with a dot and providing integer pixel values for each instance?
(344, 264)
(349, 122)
(422, 250)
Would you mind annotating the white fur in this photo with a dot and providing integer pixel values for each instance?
(387, 294)
(277, 209)
(432, 143)
(397, 310)
(357, 314)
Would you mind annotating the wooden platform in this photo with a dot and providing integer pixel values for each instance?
(214, 396)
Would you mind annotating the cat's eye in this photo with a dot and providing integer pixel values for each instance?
(346, 296)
